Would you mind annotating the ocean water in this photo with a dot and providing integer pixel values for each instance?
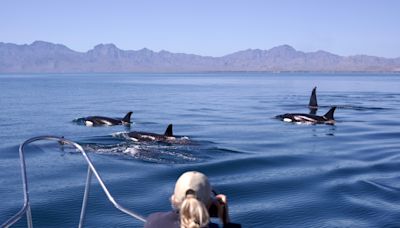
(275, 174)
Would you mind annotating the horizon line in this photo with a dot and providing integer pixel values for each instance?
(163, 50)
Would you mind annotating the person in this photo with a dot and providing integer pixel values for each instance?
(192, 203)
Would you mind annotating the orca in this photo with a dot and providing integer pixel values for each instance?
(101, 120)
(309, 118)
(168, 136)
(313, 104)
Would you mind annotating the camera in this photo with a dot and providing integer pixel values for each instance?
(213, 209)
(215, 204)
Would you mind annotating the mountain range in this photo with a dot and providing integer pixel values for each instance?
(45, 57)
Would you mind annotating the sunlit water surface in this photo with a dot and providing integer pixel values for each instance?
(275, 174)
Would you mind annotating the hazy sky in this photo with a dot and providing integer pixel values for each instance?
(207, 27)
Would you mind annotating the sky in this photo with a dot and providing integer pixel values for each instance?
(207, 27)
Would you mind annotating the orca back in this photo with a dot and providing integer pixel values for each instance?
(313, 99)
(127, 118)
(329, 114)
(168, 131)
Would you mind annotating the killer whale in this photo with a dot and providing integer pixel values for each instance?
(309, 118)
(168, 135)
(102, 120)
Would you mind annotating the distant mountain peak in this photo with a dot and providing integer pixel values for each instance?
(41, 46)
(257, 50)
(42, 56)
(282, 48)
(322, 52)
(105, 50)
(108, 46)
(145, 50)
(164, 52)
(286, 46)
(41, 43)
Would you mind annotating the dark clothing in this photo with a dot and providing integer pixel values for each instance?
(163, 219)
(171, 220)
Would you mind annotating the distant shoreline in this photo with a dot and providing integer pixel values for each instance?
(364, 73)
(45, 57)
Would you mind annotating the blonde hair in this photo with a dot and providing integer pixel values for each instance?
(193, 213)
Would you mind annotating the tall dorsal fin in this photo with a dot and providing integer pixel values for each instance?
(313, 99)
(329, 114)
(127, 117)
(168, 132)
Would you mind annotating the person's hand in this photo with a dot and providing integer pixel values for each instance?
(222, 206)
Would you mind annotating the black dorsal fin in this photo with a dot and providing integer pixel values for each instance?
(313, 99)
(329, 114)
(168, 132)
(127, 117)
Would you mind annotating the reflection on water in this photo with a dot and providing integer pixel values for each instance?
(275, 174)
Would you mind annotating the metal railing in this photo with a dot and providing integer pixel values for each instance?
(26, 209)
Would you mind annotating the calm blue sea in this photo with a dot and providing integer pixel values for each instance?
(275, 174)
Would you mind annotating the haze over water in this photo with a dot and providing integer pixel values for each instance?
(275, 174)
